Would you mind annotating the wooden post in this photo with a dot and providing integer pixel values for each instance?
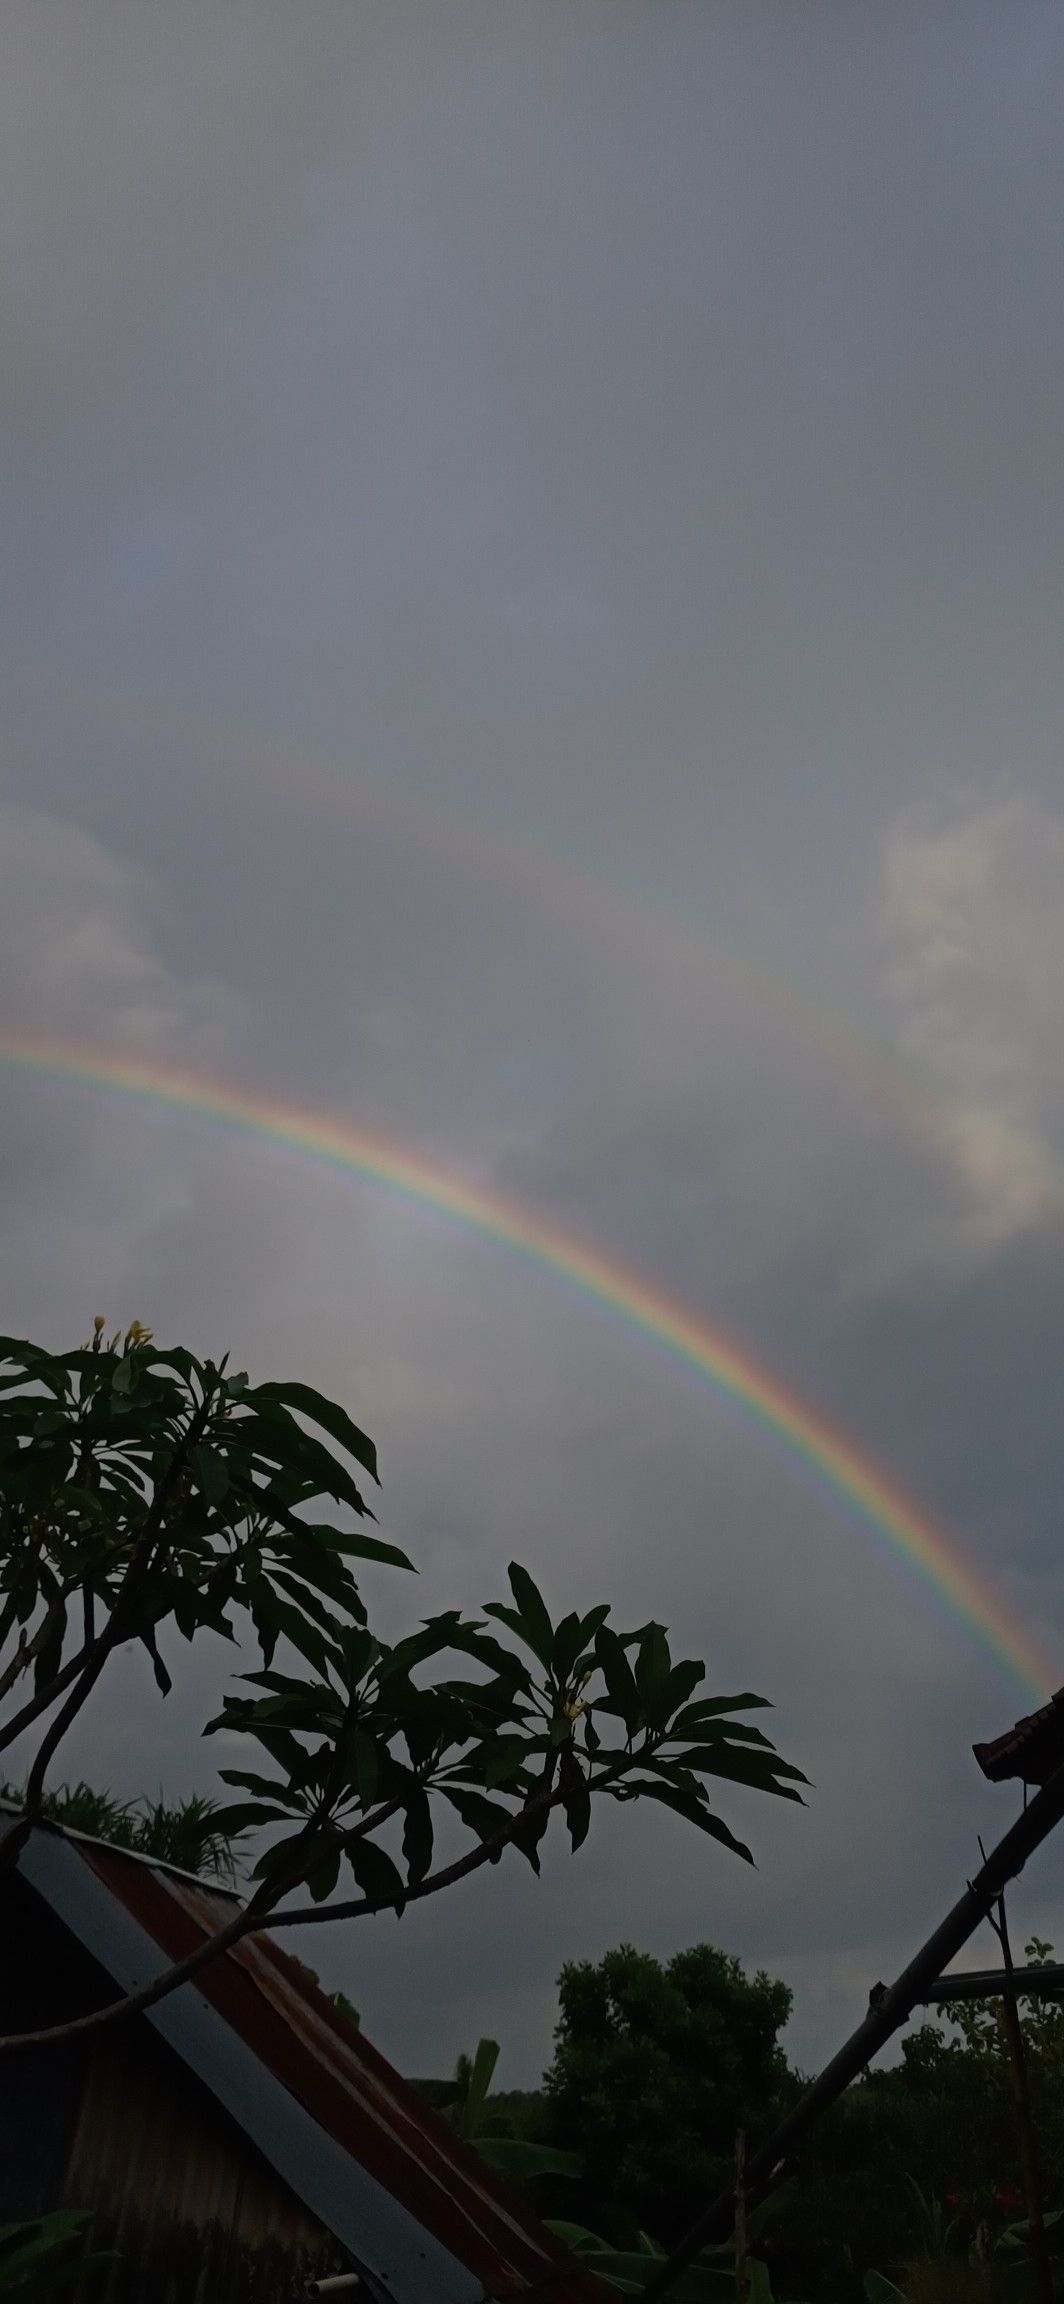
(1021, 2096)
(740, 2217)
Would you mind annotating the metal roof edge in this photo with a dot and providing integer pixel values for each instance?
(395, 2250)
(202, 1880)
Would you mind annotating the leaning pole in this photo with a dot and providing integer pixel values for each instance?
(889, 2007)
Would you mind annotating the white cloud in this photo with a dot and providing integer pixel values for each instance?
(975, 932)
(77, 947)
(87, 1184)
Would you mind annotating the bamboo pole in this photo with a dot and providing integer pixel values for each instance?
(888, 2009)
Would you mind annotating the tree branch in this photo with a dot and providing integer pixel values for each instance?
(262, 1914)
(114, 1630)
(8, 1613)
(42, 1702)
(27, 1650)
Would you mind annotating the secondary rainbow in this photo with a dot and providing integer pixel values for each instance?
(874, 1066)
(879, 1503)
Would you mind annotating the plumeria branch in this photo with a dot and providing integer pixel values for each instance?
(265, 1912)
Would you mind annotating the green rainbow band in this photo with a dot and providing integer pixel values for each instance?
(878, 1502)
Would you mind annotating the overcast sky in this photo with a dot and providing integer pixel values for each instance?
(531, 541)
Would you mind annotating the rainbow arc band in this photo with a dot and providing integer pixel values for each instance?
(864, 1062)
(878, 1503)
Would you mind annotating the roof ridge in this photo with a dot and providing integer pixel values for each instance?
(135, 1855)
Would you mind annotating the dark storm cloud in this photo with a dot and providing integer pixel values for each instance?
(636, 434)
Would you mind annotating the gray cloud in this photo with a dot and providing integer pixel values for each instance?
(451, 449)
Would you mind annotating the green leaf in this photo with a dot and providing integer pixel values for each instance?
(359, 1651)
(710, 1708)
(537, 1630)
(212, 1472)
(326, 1570)
(653, 1668)
(570, 1637)
(471, 2101)
(722, 1732)
(518, 2158)
(42, 2257)
(241, 1815)
(305, 1598)
(317, 1646)
(327, 1415)
(379, 1879)
(355, 1546)
(692, 1810)
(362, 1756)
(265, 1787)
(753, 1768)
(576, 1798)
(50, 1657)
(281, 1857)
(471, 1639)
(574, 2236)
(505, 1615)
(285, 1751)
(484, 1818)
(622, 1692)
(312, 1710)
(879, 2290)
(499, 1760)
(684, 1678)
(322, 1876)
(758, 2281)
(417, 1835)
(163, 1680)
(527, 1834)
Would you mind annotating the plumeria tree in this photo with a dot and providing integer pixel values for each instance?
(147, 1494)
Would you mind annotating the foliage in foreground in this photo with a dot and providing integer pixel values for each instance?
(185, 1833)
(148, 1496)
(986, 2269)
(42, 2257)
(852, 2211)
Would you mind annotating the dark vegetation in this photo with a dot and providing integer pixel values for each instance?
(151, 1498)
(148, 1497)
(914, 2172)
(657, 2064)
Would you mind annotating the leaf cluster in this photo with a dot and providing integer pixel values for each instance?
(364, 1754)
(142, 1488)
(711, 2276)
(145, 1493)
(43, 2256)
(656, 2065)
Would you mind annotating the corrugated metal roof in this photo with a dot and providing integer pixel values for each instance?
(1031, 1750)
(352, 2139)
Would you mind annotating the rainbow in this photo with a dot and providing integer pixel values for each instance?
(873, 1066)
(879, 1503)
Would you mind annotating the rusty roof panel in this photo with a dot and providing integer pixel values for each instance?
(296, 2037)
